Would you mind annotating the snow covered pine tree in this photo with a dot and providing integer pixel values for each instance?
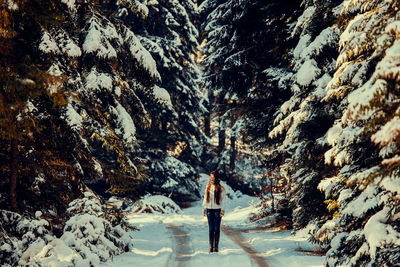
(364, 193)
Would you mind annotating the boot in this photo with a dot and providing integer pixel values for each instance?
(211, 238)
(216, 241)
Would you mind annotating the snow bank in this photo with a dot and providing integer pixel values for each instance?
(55, 253)
(17, 233)
(156, 204)
(87, 240)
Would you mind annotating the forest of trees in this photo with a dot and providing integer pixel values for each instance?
(130, 97)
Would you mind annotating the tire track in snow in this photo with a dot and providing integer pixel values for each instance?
(182, 250)
(238, 238)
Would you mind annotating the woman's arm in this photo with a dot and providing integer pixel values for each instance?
(204, 202)
(223, 200)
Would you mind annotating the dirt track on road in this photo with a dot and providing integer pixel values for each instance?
(238, 238)
(183, 248)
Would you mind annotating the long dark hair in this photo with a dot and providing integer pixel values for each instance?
(217, 186)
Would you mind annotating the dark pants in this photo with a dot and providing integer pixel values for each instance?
(214, 222)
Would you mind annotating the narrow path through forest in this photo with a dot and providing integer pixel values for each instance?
(181, 239)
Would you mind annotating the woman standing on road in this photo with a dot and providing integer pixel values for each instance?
(214, 204)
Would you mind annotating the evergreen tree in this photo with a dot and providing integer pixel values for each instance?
(106, 65)
(304, 119)
(363, 193)
(24, 85)
(77, 72)
(175, 138)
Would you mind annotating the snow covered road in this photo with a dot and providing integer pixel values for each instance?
(182, 240)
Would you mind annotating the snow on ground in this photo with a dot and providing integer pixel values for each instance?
(182, 239)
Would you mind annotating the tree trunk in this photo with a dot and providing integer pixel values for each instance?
(163, 124)
(14, 173)
(207, 125)
(233, 153)
(221, 140)
(272, 193)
